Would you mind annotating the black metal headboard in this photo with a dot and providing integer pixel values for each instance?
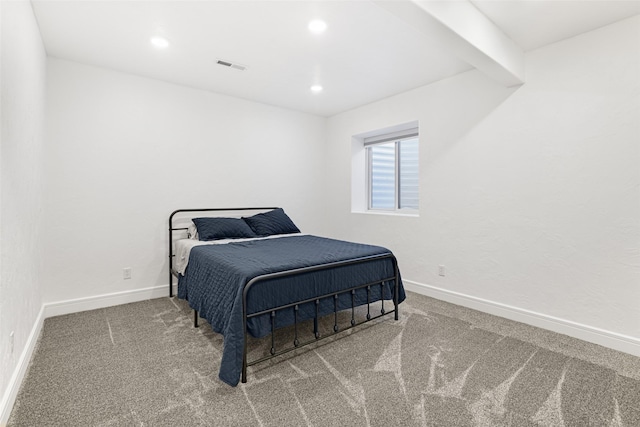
(172, 229)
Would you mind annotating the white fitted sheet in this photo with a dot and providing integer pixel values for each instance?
(183, 247)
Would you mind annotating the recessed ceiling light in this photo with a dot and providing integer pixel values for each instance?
(316, 88)
(159, 42)
(317, 26)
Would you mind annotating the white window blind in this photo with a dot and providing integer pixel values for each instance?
(383, 176)
(393, 170)
(393, 136)
(408, 176)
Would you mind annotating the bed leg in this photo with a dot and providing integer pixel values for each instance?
(395, 302)
(335, 313)
(316, 332)
(170, 260)
(244, 358)
(244, 346)
(244, 353)
(396, 289)
(195, 318)
(296, 341)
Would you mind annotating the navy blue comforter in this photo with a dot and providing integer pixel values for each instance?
(216, 274)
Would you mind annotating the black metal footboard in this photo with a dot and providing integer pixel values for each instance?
(335, 295)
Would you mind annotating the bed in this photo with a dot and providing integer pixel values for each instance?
(249, 274)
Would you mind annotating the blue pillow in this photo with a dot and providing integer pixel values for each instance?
(222, 228)
(272, 222)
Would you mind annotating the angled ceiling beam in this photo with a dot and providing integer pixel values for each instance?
(466, 31)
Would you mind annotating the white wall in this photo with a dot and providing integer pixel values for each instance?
(22, 81)
(530, 196)
(123, 152)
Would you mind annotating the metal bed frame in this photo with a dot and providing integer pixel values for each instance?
(295, 306)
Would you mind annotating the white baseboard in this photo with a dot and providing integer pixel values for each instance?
(11, 392)
(591, 334)
(102, 301)
(66, 307)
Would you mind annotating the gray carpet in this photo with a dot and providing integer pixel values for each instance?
(143, 364)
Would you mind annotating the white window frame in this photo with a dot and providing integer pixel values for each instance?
(397, 138)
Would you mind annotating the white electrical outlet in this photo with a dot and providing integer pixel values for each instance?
(11, 335)
(126, 273)
(441, 270)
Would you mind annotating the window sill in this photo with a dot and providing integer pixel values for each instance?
(388, 213)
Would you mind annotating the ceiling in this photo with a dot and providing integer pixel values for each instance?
(365, 54)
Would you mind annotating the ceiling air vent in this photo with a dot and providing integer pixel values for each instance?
(233, 65)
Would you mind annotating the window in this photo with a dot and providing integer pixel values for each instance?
(392, 172)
